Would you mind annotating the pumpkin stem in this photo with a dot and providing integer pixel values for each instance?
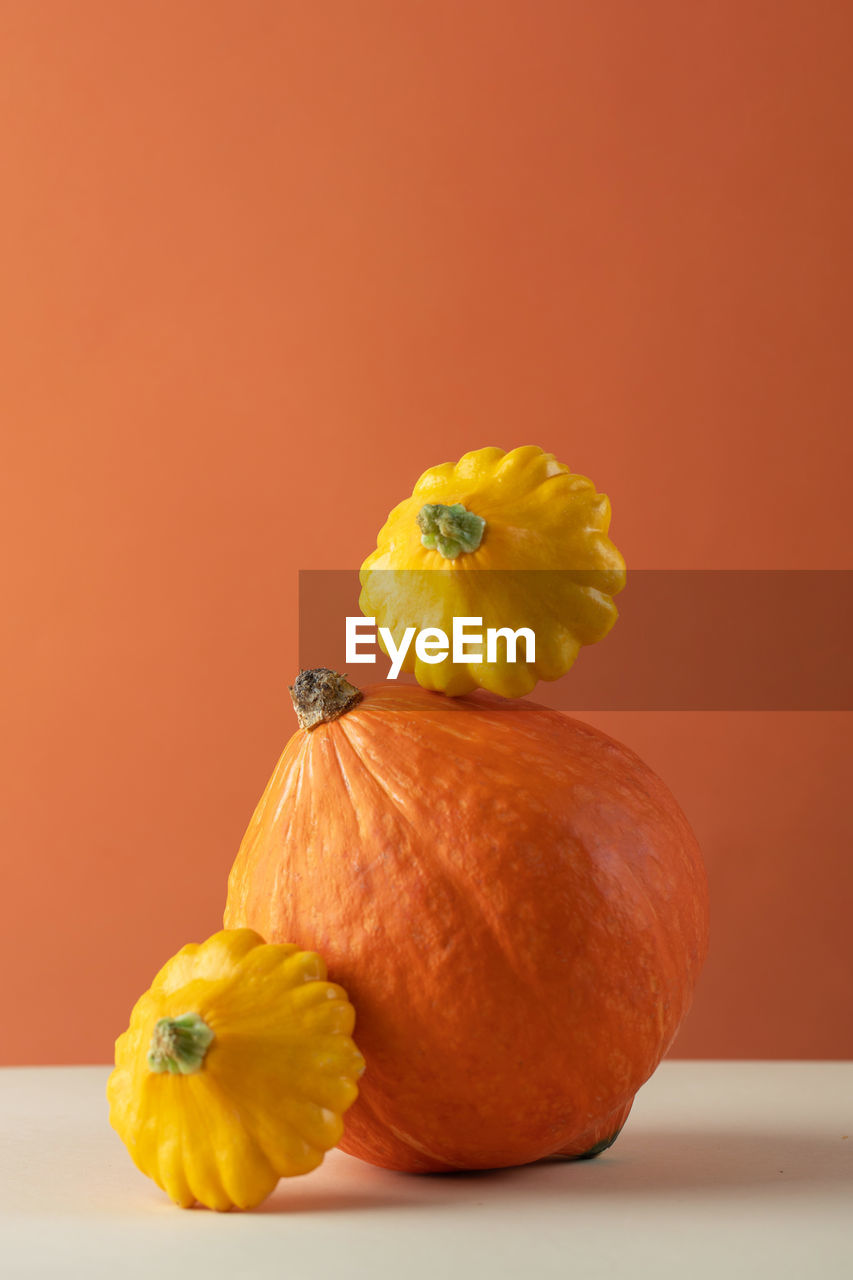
(179, 1044)
(322, 695)
(450, 530)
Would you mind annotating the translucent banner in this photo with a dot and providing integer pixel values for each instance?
(684, 640)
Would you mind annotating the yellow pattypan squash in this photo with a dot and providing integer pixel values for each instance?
(541, 532)
(235, 1070)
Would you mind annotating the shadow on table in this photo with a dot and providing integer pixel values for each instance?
(712, 1160)
(333, 1200)
(650, 1163)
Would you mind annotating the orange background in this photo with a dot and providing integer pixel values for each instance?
(264, 262)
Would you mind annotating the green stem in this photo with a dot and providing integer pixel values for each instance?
(179, 1044)
(452, 531)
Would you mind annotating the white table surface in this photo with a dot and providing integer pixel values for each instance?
(723, 1170)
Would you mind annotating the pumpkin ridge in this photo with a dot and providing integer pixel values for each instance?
(397, 806)
(280, 873)
(396, 802)
(664, 955)
(297, 764)
(333, 738)
(415, 1145)
(457, 881)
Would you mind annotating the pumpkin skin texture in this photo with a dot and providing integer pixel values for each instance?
(258, 1095)
(541, 533)
(515, 903)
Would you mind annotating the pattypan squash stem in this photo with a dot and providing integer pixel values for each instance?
(322, 695)
(179, 1044)
(451, 531)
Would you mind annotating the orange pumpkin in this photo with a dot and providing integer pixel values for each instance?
(514, 901)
